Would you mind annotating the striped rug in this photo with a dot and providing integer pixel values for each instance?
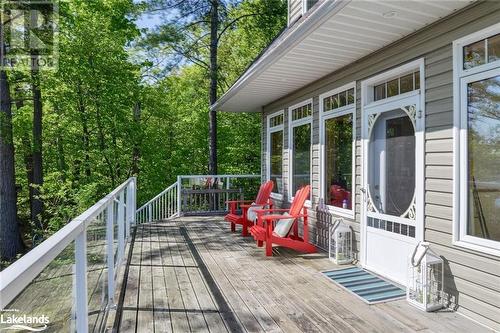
(369, 287)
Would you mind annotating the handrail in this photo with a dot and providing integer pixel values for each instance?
(16, 277)
(219, 176)
(163, 206)
(157, 196)
(169, 204)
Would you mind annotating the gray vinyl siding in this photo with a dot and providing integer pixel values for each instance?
(472, 278)
(294, 10)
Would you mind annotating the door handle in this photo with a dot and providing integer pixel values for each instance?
(363, 190)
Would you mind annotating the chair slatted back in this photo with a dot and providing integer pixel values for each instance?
(264, 192)
(299, 200)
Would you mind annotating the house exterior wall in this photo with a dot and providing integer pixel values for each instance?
(472, 278)
(294, 10)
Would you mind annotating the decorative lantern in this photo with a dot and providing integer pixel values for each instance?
(426, 276)
(340, 242)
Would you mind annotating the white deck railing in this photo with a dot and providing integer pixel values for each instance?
(86, 254)
(196, 194)
(162, 207)
(16, 278)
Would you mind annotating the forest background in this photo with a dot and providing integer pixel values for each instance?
(130, 97)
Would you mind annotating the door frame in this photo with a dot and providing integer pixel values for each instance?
(368, 106)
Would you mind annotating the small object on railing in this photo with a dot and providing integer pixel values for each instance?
(340, 243)
(426, 279)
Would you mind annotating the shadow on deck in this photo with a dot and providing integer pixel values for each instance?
(192, 275)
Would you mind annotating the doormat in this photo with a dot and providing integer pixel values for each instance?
(367, 286)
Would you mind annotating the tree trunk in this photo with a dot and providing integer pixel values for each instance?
(37, 211)
(136, 152)
(10, 237)
(214, 41)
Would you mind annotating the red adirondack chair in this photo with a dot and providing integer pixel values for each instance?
(267, 219)
(262, 200)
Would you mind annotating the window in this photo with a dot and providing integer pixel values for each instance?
(397, 86)
(300, 142)
(275, 151)
(338, 139)
(477, 87)
(338, 100)
(308, 4)
(481, 52)
(483, 157)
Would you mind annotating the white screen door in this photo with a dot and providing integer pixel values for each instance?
(392, 185)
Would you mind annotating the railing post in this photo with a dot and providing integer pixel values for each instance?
(134, 200)
(81, 282)
(179, 203)
(150, 212)
(228, 186)
(111, 259)
(121, 226)
(130, 210)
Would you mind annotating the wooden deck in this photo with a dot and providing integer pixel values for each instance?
(193, 275)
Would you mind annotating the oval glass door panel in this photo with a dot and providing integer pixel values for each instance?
(391, 173)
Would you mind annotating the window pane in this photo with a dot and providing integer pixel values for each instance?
(379, 92)
(338, 161)
(474, 55)
(277, 161)
(327, 102)
(335, 99)
(350, 96)
(302, 112)
(417, 80)
(406, 83)
(484, 158)
(494, 48)
(391, 174)
(310, 3)
(393, 88)
(301, 156)
(342, 99)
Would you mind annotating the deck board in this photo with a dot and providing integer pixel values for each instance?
(193, 275)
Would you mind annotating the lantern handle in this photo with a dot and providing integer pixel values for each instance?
(419, 252)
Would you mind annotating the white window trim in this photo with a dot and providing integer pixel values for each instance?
(367, 103)
(323, 116)
(269, 131)
(461, 77)
(291, 125)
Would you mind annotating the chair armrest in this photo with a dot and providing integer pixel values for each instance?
(238, 201)
(255, 205)
(276, 217)
(261, 211)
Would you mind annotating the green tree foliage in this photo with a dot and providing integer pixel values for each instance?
(101, 113)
